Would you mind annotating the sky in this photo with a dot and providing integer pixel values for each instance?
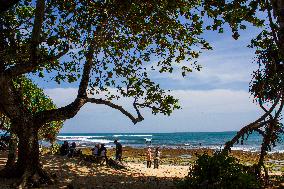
(215, 99)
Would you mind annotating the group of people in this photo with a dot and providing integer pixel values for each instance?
(66, 150)
(157, 155)
(100, 152)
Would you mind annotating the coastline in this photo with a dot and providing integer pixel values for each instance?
(175, 163)
(185, 140)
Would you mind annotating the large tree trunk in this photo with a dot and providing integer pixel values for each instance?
(28, 162)
(28, 152)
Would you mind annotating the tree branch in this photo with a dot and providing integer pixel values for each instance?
(72, 109)
(260, 132)
(280, 108)
(278, 10)
(62, 113)
(20, 69)
(58, 55)
(149, 106)
(263, 108)
(264, 148)
(250, 127)
(120, 108)
(271, 24)
(82, 92)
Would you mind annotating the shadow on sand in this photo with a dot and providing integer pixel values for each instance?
(76, 173)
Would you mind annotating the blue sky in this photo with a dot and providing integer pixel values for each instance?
(214, 99)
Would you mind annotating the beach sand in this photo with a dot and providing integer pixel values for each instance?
(78, 173)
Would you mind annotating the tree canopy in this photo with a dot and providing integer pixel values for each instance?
(116, 48)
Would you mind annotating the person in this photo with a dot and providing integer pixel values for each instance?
(103, 154)
(157, 158)
(72, 150)
(118, 151)
(64, 149)
(95, 150)
(149, 157)
(95, 153)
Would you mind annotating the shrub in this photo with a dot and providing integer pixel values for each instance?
(219, 171)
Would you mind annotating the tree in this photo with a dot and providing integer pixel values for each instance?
(106, 47)
(268, 82)
(6, 4)
(35, 100)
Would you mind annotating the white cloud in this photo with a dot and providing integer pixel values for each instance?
(226, 66)
(62, 96)
(215, 101)
(211, 110)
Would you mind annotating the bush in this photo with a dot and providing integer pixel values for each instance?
(219, 171)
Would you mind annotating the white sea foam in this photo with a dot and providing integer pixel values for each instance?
(82, 139)
(80, 136)
(101, 141)
(132, 135)
(276, 151)
(245, 148)
(148, 139)
(72, 138)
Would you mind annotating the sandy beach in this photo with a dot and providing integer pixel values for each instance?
(78, 173)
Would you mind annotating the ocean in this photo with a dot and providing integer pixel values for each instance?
(187, 140)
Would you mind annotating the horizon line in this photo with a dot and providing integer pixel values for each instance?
(144, 132)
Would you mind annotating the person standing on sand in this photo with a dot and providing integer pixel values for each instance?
(149, 157)
(157, 158)
(118, 151)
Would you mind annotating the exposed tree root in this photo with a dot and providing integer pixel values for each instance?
(31, 178)
(35, 178)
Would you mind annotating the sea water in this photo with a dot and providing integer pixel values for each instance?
(186, 140)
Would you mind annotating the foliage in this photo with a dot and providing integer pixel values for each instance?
(35, 100)
(219, 171)
(168, 33)
(267, 82)
(54, 149)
